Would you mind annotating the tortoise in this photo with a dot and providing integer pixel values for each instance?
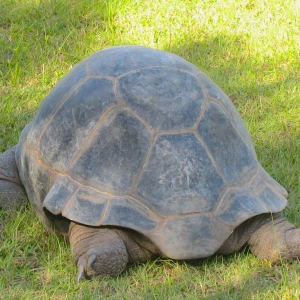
(136, 154)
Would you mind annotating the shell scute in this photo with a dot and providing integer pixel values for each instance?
(126, 212)
(274, 201)
(200, 236)
(60, 194)
(237, 206)
(62, 89)
(114, 154)
(179, 177)
(166, 98)
(219, 96)
(235, 160)
(77, 118)
(87, 206)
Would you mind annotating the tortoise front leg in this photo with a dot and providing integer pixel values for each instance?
(97, 251)
(12, 192)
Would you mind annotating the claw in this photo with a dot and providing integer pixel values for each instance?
(91, 259)
(80, 273)
(82, 264)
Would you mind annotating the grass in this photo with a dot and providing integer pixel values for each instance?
(249, 48)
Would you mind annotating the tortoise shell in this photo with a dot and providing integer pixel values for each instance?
(140, 138)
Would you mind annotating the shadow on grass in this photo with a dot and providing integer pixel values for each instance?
(242, 76)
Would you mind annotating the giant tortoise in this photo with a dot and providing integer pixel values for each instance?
(136, 154)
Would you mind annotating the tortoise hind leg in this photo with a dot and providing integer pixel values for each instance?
(97, 251)
(276, 241)
(269, 237)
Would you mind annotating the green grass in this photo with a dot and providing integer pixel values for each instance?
(249, 48)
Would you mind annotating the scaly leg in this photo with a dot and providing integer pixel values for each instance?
(97, 251)
(276, 241)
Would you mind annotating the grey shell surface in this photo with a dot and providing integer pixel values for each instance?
(140, 138)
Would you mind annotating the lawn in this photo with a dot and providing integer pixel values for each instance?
(251, 49)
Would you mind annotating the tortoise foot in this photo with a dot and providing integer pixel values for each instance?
(98, 252)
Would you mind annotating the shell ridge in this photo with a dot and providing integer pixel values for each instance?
(70, 200)
(139, 173)
(105, 211)
(116, 90)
